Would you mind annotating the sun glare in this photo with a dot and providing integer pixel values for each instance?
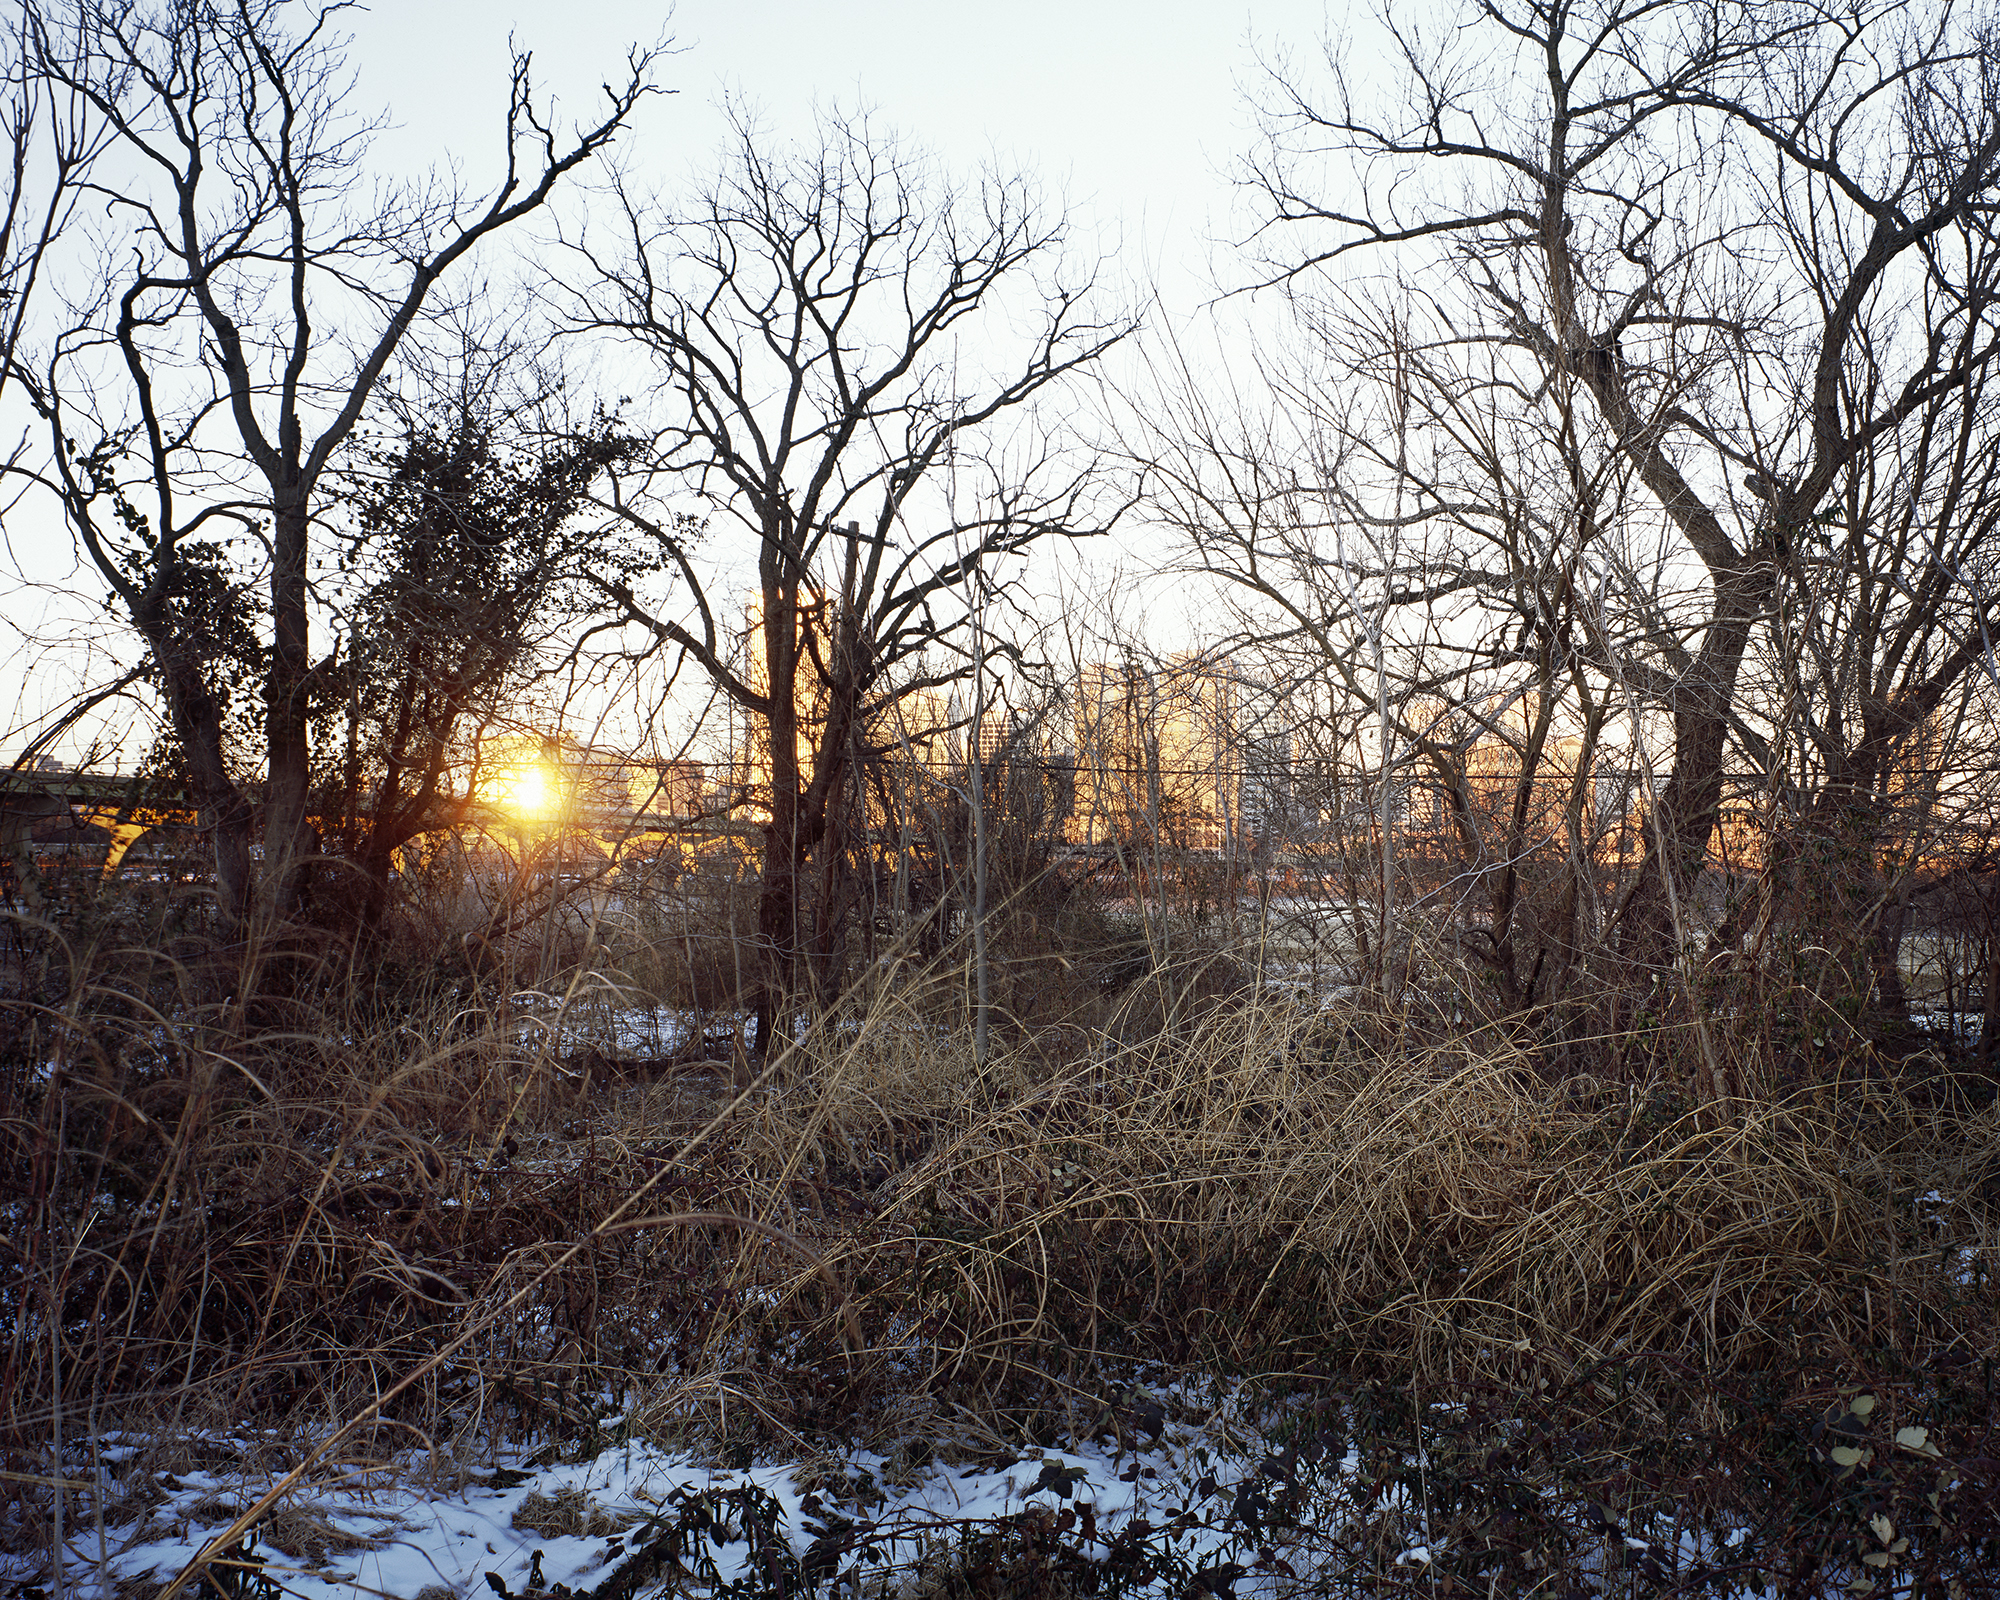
(527, 791)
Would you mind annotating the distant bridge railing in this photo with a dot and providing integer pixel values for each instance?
(125, 812)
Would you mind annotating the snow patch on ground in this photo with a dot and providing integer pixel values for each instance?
(564, 1523)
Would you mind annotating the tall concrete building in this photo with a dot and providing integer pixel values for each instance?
(1188, 754)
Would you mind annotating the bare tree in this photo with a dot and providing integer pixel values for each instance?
(1876, 693)
(48, 144)
(834, 331)
(1404, 548)
(255, 285)
(1692, 230)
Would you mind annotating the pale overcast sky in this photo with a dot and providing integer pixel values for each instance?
(1133, 109)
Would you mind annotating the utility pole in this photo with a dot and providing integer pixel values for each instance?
(983, 998)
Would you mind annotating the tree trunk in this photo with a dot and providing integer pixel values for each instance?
(196, 715)
(778, 950)
(287, 840)
(777, 901)
(1677, 839)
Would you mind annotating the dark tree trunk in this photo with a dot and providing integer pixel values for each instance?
(288, 842)
(226, 813)
(1683, 822)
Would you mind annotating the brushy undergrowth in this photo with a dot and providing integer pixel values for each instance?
(1568, 1298)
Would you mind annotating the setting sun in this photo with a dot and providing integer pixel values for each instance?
(527, 791)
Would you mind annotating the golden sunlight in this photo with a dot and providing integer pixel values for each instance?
(527, 791)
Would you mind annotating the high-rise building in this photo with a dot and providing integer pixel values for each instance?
(750, 733)
(1186, 753)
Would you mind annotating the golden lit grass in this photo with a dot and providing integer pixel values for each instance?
(290, 1222)
(1264, 1191)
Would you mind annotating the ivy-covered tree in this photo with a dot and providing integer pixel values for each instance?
(462, 562)
(230, 315)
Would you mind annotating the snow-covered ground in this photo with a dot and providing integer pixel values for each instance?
(1184, 1495)
(526, 1525)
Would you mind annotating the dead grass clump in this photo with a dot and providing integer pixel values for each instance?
(211, 1219)
(280, 1225)
(305, 1533)
(690, 940)
(568, 1513)
(1252, 1192)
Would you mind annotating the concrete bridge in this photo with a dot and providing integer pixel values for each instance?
(119, 809)
(113, 804)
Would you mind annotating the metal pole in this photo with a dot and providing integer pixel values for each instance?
(981, 977)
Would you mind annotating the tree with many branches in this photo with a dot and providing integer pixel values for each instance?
(254, 286)
(835, 331)
(1737, 260)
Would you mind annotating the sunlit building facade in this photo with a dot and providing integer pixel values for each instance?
(1186, 754)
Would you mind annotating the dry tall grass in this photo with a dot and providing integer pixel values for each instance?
(1270, 1192)
(475, 1195)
